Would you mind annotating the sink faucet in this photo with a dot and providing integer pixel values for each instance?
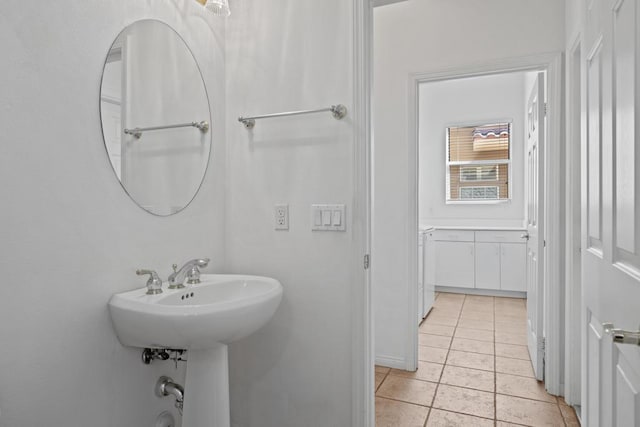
(154, 284)
(189, 271)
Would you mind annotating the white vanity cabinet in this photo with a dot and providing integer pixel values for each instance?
(494, 260)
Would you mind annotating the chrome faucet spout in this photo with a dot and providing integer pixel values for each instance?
(166, 387)
(189, 271)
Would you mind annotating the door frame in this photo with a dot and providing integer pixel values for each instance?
(553, 297)
(573, 291)
(362, 378)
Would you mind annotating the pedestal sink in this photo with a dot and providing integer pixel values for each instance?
(202, 318)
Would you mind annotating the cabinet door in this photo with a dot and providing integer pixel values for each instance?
(455, 264)
(513, 267)
(488, 265)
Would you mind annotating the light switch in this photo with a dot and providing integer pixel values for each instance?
(328, 218)
(337, 218)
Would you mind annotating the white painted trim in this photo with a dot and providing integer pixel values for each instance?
(552, 63)
(573, 291)
(363, 404)
(411, 352)
(390, 362)
(486, 292)
(554, 226)
(378, 3)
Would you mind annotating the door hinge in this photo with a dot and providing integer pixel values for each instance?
(366, 261)
(544, 243)
(546, 108)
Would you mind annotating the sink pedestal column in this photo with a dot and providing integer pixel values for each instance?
(206, 388)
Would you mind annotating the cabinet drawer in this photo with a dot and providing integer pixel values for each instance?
(501, 236)
(453, 236)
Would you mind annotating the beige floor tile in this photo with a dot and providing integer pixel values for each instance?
(464, 400)
(519, 312)
(442, 320)
(515, 302)
(448, 304)
(476, 315)
(511, 318)
(530, 388)
(433, 329)
(427, 371)
(520, 367)
(434, 340)
(474, 334)
(432, 354)
(469, 378)
(465, 359)
(382, 369)
(450, 296)
(480, 298)
(482, 308)
(510, 338)
(518, 327)
(472, 346)
(484, 325)
(440, 418)
(529, 412)
(378, 380)
(513, 351)
(445, 311)
(569, 414)
(505, 424)
(391, 413)
(408, 390)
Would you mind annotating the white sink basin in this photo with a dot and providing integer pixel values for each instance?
(221, 309)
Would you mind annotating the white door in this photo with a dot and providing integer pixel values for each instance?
(535, 225)
(611, 214)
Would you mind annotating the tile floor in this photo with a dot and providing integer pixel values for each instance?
(473, 370)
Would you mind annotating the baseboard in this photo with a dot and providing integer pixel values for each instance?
(486, 292)
(391, 362)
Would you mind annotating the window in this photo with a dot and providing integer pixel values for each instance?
(478, 162)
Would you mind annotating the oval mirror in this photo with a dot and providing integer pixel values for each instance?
(155, 117)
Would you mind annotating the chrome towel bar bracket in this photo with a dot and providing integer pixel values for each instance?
(337, 111)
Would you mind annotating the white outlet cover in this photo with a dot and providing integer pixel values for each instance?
(281, 216)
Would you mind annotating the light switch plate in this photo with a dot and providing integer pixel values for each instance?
(328, 218)
(281, 217)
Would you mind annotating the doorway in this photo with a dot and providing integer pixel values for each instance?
(551, 64)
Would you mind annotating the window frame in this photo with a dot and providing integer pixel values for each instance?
(508, 162)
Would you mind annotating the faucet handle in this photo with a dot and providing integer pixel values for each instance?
(154, 284)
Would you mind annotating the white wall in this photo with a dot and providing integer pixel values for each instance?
(468, 101)
(283, 56)
(70, 235)
(419, 36)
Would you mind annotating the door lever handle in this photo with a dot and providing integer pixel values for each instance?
(621, 336)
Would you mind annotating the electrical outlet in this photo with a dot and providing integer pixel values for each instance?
(281, 216)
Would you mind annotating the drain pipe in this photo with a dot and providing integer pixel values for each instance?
(166, 387)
